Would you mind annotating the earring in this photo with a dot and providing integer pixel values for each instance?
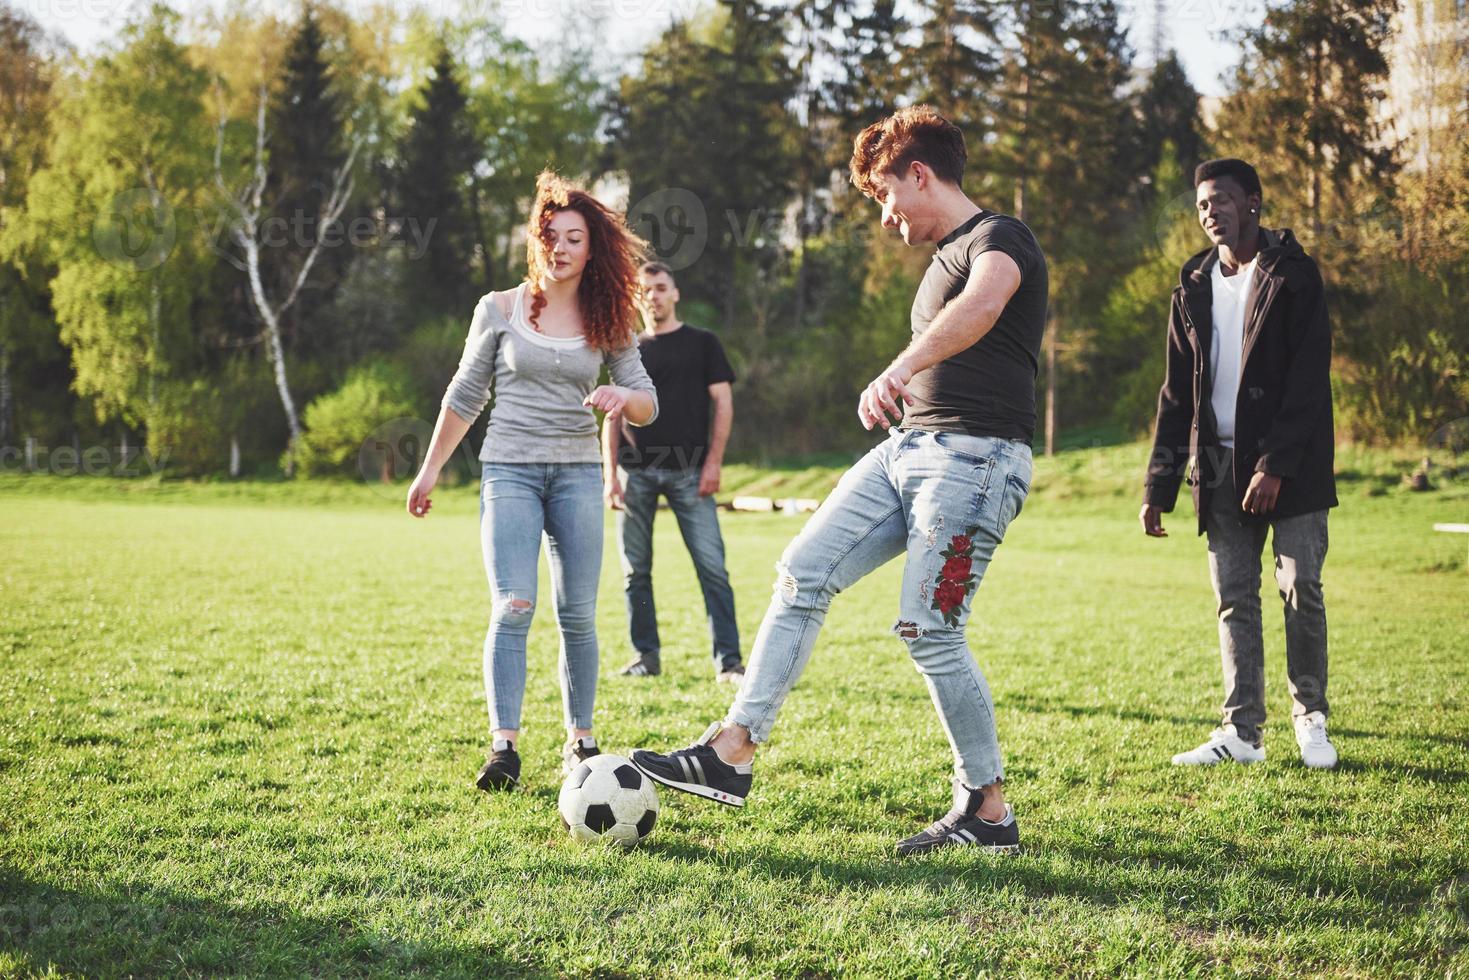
(1252, 210)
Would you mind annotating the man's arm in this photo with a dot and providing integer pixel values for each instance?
(1171, 429)
(721, 396)
(611, 442)
(960, 325)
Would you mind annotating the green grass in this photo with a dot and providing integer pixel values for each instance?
(238, 724)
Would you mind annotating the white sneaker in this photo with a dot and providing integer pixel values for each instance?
(1223, 746)
(1317, 752)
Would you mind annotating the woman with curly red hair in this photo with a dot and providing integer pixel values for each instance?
(543, 346)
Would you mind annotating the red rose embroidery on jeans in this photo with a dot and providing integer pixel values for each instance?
(956, 579)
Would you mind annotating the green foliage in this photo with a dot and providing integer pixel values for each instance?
(337, 424)
(307, 144)
(1168, 112)
(1125, 352)
(438, 155)
(116, 213)
(1407, 373)
(187, 431)
(707, 115)
(1306, 106)
(750, 107)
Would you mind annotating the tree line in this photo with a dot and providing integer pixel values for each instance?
(246, 241)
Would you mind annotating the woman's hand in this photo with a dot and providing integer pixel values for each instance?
(611, 399)
(423, 485)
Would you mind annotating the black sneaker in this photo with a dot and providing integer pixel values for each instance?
(698, 769)
(502, 770)
(960, 829)
(577, 752)
(643, 666)
(732, 674)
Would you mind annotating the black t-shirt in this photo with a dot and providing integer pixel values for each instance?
(683, 364)
(989, 388)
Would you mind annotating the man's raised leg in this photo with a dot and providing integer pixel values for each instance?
(860, 527)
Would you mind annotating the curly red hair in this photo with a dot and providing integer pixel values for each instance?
(608, 293)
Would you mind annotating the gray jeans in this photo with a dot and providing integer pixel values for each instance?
(1299, 544)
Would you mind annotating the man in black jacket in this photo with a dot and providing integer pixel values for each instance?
(1244, 415)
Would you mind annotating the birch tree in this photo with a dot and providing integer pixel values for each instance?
(246, 208)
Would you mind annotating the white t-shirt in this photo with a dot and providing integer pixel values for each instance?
(1230, 294)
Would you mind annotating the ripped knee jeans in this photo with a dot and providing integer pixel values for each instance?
(522, 506)
(943, 500)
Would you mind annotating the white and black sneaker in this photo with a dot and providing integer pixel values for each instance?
(643, 666)
(577, 751)
(1224, 745)
(959, 828)
(1317, 752)
(698, 769)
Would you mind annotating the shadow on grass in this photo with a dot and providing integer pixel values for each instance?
(1255, 886)
(150, 932)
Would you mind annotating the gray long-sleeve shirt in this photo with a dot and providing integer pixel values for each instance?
(540, 383)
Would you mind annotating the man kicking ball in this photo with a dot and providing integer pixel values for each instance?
(941, 489)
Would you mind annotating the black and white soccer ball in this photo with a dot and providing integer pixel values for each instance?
(608, 800)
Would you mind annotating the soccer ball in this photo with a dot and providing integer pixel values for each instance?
(608, 800)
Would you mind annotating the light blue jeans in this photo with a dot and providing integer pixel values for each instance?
(518, 504)
(943, 499)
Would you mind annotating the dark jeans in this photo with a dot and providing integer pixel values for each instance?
(1299, 544)
(698, 521)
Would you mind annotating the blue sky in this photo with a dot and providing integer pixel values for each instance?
(1194, 26)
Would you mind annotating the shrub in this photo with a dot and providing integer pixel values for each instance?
(337, 424)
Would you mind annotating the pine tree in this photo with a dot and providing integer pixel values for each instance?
(438, 154)
(1305, 106)
(875, 74)
(1168, 113)
(955, 64)
(1065, 146)
(306, 145)
(712, 117)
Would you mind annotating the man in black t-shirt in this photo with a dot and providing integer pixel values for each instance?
(677, 456)
(941, 489)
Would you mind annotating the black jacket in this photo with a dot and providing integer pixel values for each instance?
(1282, 420)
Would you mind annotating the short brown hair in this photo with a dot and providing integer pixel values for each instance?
(655, 269)
(917, 133)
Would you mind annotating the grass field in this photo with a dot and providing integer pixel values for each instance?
(238, 726)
